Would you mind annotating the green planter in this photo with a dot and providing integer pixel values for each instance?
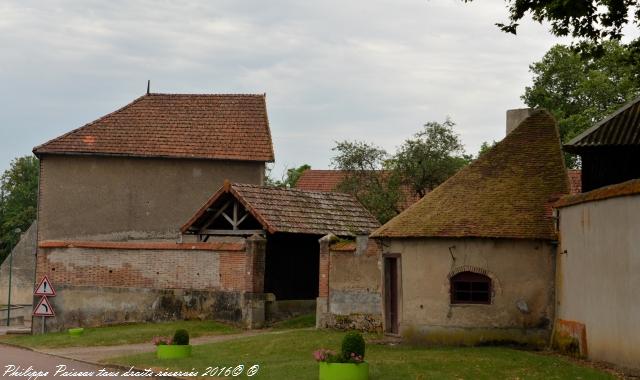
(173, 351)
(76, 332)
(344, 371)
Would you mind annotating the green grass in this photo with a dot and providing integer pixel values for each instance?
(120, 334)
(300, 322)
(288, 355)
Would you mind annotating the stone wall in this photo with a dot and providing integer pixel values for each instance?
(521, 306)
(350, 285)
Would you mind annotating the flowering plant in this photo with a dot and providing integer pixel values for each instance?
(353, 347)
(161, 340)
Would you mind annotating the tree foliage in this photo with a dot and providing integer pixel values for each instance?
(582, 89)
(377, 189)
(289, 179)
(421, 163)
(18, 200)
(586, 20)
(430, 157)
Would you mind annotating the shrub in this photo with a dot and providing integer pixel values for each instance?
(353, 347)
(181, 337)
(161, 340)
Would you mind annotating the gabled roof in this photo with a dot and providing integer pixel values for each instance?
(328, 180)
(226, 127)
(621, 128)
(291, 210)
(506, 193)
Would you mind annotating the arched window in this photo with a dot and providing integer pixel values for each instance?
(470, 287)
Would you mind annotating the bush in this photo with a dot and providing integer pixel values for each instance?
(353, 347)
(181, 337)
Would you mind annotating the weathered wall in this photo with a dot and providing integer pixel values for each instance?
(350, 286)
(87, 306)
(120, 198)
(23, 270)
(521, 270)
(117, 282)
(598, 276)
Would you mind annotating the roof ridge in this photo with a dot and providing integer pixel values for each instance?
(203, 95)
(292, 189)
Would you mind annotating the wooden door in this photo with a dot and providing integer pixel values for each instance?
(391, 287)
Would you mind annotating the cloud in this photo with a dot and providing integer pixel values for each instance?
(332, 70)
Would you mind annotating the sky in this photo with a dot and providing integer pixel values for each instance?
(370, 70)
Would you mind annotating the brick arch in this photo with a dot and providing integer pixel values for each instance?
(496, 287)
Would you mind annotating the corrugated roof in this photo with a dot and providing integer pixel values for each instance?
(620, 128)
(506, 193)
(294, 211)
(233, 127)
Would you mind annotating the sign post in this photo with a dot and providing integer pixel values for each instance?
(43, 308)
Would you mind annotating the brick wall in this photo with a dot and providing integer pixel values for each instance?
(154, 266)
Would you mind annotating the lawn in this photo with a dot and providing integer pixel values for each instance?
(288, 355)
(120, 334)
(302, 321)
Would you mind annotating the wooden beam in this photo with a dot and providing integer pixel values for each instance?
(216, 215)
(232, 232)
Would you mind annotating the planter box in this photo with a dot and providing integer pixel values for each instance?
(172, 351)
(76, 332)
(344, 371)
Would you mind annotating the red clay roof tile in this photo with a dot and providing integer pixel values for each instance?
(233, 127)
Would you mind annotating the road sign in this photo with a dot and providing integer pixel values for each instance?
(43, 309)
(45, 288)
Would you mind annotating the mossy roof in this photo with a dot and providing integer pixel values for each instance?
(506, 193)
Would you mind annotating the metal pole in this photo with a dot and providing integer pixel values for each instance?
(17, 231)
(9, 290)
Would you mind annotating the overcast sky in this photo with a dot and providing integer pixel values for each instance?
(332, 70)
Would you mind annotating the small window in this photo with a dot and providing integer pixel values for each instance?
(469, 287)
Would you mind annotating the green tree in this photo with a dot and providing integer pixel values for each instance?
(376, 188)
(582, 89)
(485, 146)
(430, 157)
(18, 200)
(289, 179)
(587, 20)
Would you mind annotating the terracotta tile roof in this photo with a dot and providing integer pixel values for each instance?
(214, 246)
(631, 187)
(294, 211)
(621, 128)
(506, 193)
(328, 180)
(231, 127)
(320, 180)
(575, 180)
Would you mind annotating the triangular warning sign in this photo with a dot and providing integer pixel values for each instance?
(43, 309)
(45, 288)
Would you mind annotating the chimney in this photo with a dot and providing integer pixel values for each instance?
(516, 116)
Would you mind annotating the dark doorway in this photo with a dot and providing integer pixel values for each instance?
(292, 266)
(391, 286)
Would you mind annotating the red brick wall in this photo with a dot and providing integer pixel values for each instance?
(134, 268)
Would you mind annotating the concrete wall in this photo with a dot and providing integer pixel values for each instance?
(522, 271)
(350, 286)
(119, 198)
(599, 276)
(23, 270)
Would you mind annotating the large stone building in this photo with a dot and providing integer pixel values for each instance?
(114, 193)
(474, 260)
